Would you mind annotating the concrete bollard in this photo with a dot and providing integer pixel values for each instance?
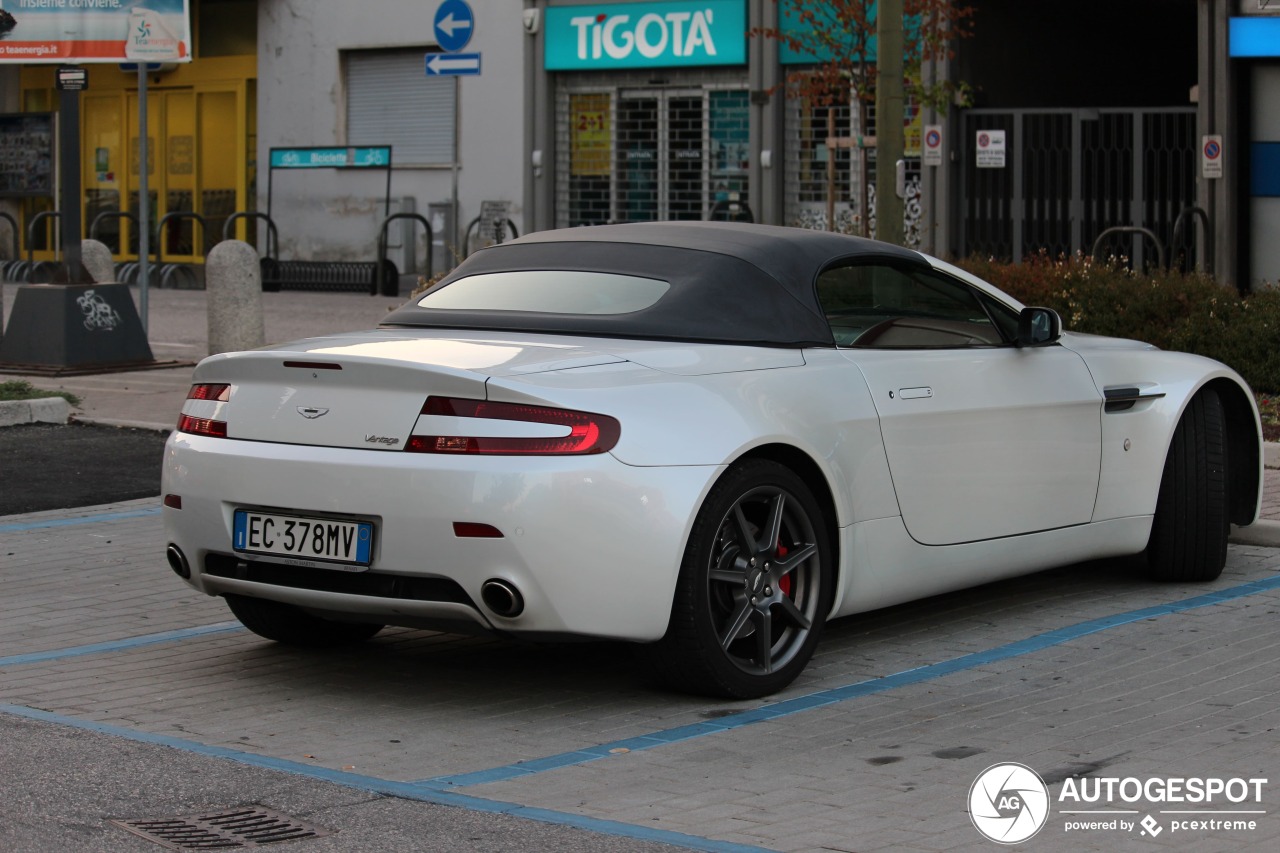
(95, 257)
(233, 283)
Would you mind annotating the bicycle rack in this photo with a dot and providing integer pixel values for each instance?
(127, 272)
(168, 271)
(112, 214)
(273, 236)
(1130, 229)
(1208, 243)
(268, 266)
(31, 236)
(466, 236)
(383, 267)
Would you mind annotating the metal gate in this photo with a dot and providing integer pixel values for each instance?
(1071, 174)
(644, 153)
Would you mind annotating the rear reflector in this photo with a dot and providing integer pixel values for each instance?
(201, 413)
(173, 501)
(475, 530)
(474, 422)
(202, 426)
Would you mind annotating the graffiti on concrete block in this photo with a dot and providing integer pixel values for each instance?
(98, 315)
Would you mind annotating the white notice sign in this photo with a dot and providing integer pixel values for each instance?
(991, 151)
(1211, 156)
(932, 148)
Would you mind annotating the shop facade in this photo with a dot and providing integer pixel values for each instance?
(201, 138)
(1156, 117)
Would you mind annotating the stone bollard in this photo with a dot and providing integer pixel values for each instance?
(95, 257)
(233, 283)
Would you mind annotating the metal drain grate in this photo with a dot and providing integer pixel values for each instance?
(250, 826)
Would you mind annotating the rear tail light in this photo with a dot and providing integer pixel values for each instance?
(202, 412)
(451, 425)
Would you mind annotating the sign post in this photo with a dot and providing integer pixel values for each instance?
(71, 79)
(144, 198)
(454, 25)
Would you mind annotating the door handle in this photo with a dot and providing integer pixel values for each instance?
(914, 393)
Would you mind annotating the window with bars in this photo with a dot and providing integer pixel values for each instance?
(637, 155)
(808, 126)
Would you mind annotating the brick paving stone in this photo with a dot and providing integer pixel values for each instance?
(1196, 692)
(1270, 494)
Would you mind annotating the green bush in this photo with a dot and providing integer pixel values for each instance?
(1176, 311)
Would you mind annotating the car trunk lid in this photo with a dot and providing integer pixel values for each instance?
(366, 390)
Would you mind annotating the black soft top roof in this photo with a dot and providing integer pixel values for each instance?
(730, 282)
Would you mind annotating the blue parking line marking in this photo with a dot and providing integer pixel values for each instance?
(121, 645)
(406, 790)
(835, 695)
(443, 790)
(72, 522)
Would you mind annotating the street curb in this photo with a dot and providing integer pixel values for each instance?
(1271, 454)
(123, 424)
(43, 410)
(1263, 532)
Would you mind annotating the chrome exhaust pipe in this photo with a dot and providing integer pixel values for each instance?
(178, 562)
(502, 598)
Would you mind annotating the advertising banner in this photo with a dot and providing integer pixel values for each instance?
(81, 31)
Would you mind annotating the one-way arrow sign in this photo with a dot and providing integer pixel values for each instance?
(450, 25)
(454, 23)
(445, 64)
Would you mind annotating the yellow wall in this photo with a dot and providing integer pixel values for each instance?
(201, 131)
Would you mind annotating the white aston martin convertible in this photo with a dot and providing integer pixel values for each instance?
(706, 439)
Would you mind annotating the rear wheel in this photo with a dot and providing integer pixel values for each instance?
(754, 588)
(285, 623)
(1189, 533)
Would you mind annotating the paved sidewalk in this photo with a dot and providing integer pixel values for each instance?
(1086, 671)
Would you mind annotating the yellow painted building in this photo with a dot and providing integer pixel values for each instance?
(201, 136)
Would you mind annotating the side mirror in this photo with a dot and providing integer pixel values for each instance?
(1038, 327)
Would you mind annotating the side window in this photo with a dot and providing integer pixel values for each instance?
(888, 307)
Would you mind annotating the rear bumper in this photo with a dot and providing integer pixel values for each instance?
(593, 546)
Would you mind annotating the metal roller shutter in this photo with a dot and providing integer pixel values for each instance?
(391, 101)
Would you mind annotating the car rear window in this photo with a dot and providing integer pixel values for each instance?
(548, 292)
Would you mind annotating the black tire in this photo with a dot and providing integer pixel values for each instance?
(293, 626)
(754, 588)
(1191, 525)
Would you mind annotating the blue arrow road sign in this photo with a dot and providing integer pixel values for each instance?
(454, 24)
(452, 64)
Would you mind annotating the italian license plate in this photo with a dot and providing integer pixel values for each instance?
(329, 539)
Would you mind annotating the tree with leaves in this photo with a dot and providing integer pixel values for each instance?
(839, 35)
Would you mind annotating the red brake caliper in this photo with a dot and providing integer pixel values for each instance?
(784, 582)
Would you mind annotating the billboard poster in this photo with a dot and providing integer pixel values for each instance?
(82, 31)
(26, 154)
